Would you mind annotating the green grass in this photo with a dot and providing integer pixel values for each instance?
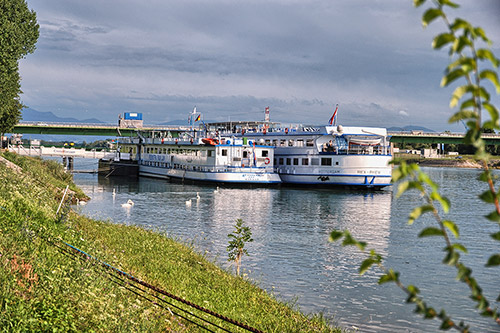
(43, 289)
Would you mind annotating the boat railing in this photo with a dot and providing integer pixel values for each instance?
(357, 150)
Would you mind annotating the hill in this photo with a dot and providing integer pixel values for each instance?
(34, 115)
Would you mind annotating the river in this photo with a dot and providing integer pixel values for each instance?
(292, 258)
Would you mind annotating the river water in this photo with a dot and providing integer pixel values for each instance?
(292, 258)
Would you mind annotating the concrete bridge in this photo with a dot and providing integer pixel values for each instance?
(157, 131)
(91, 129)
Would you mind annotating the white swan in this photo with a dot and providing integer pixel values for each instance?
(188, 203)
(216, 190)
(198, 196)
(128, 204)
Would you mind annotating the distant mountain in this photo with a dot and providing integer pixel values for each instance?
(34, 115)
(409, 129)
(175, 122)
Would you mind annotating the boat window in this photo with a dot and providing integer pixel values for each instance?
(300, 143)
(288, 161)
(290, 143)
(326, 161)
(314, 161)
(268, 142)
(245, 154)
(265, 153)
(224, 152)
(310, 143)
(281, 161)
(210, 153)
(275, 142)
(305, 161)
(295, 161)
(282, 143)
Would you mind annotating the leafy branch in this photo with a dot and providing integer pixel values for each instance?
(463, 39)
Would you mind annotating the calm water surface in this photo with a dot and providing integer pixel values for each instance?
(292, 258)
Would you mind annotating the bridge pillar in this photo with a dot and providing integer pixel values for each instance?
(65, 163)
(70, 163)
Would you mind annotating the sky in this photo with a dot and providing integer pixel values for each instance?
(233, 58)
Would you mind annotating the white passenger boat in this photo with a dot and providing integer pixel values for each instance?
(206, 159)
(322, 155)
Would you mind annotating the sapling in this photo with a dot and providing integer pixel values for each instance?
(237, 240)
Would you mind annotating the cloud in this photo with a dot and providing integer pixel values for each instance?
(403, 113)
(232, 59)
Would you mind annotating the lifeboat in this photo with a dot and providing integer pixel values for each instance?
(210, 141)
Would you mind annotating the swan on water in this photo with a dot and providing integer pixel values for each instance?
(216, 190)
(188, 202)
(128, 204)
(198, 196)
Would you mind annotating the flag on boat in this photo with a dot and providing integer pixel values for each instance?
(198, 118)
(333, 119)
(254, 155)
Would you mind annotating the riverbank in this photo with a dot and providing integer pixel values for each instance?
(456, 162)
(46, 285)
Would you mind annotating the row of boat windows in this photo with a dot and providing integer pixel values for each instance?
(196, 152)
(290, 142)
(324, 161)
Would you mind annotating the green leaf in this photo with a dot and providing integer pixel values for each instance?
(452, 76)
(458, 93)
(485, 54)
(479, 32)
(431, 231)
(413, 290)
(365, 265)
(488, 74)
(442, 39)
(463, 115)
(418, 3)
(430, 15)
(445, 202)
(424, 178)
(466, 63)
(335, 235)
(488, 196)
(452, 257)
(418, 211)
(450, 225)
(459, 44)
(494, 260)
(492, 110)
(460, 24)
(388, 277)
(496, 236)
(493, 217)
(460, 247)
(448, 3)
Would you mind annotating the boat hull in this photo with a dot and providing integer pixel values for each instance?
(237, 177)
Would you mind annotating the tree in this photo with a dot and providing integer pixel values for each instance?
(19, 32)
(236, 248)
(473, 62)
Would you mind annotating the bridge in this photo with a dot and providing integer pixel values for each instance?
(90, 129)
(156, 131)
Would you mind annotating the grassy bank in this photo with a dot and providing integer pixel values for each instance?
(49, 288)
